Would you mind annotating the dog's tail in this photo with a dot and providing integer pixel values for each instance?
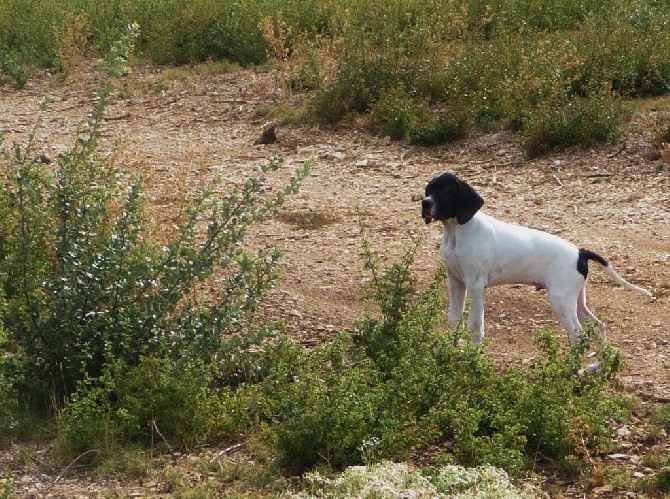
(582, 265)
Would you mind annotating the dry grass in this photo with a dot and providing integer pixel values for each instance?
(308, 220)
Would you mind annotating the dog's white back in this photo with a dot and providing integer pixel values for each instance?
(494, 252)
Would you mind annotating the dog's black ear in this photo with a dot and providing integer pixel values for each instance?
(469, 202)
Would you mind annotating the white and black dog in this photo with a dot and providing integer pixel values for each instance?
(481, 251)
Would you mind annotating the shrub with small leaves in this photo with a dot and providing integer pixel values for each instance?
(84, 285)
(407, 382)
(582, 121)
(8, 396)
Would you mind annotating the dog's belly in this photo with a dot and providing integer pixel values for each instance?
(516, 276)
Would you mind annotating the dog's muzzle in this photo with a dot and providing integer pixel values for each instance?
(427, 210)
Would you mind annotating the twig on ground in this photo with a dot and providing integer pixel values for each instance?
(164, 440)
(68, 467)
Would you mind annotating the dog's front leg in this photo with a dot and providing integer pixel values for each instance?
(457, 292)
(476, 317)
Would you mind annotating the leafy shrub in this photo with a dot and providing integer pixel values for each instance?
(83, 284)
(15, 69)
(624, 45)
(403, 383)
(392, 113)
(27, 37)
(179, 33)
(662, 481)
(399, 115)
(8, 398)
(157, 403)
(430, 129)
(309, 434)
(583, 121)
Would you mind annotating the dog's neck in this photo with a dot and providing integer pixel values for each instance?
(452, 231)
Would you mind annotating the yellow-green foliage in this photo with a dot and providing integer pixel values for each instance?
(504, 64)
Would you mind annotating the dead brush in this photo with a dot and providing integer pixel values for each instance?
(73, 39)
(277, 35)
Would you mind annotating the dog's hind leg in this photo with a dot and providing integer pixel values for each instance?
(565, 306)
(571, 310)
(585, 316)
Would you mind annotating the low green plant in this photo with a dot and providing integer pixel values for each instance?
(15, 69)
(662, 481)
(89, 295)
(430, 129)
(6, 488)
(8, 396)
(392, 113)
(404, 382)
(27, 38)
(582, 121)
(661, 417)
(398, 115)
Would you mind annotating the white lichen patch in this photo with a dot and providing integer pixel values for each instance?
(397, 480)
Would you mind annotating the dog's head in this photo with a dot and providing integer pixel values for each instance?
(447, 196)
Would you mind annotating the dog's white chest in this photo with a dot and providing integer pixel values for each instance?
(449, 253)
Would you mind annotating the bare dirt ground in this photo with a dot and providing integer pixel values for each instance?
(185, 127)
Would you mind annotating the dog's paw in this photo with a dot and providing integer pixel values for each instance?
(591, 369)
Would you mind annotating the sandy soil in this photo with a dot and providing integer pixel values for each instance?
(185, 128)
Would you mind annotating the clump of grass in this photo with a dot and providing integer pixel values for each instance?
(308, 219)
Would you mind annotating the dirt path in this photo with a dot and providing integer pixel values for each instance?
(186, 129)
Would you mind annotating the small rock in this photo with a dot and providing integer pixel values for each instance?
(268, 136)
(295, 313)
(623, 432)
(619, 457)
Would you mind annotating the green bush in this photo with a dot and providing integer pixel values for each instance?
(8, 396)
(662, 481)
(399, 115)
(402, 384)
(176, 32)
(430, 129)
(84, 285)
(27, 37)
(583, 121)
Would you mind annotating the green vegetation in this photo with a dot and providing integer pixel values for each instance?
(101, 335)
(428, 70)
(88, 299)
